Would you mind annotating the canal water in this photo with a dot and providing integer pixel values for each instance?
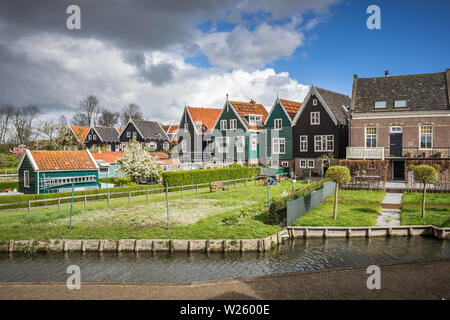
(296, 256)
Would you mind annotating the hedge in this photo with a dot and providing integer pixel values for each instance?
(9, 185)
(198, 176)
(52, 198)
(278, 207)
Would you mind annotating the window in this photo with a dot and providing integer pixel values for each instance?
(223, 124)
(222, 144)
(128, 134)
(371, 137)
(426, 137)
(380, 104)
(284, 164)
(166, 145)
(396, 129)
(400, 104)
(254, 140)
(323, 143)
(311, 164)
(90, 137)
(315, 117)
(186, 126)
(26, 179)
(134, 134)
(278, 145)
(303, 143)
(302, 163)
(277, 124)
(183, 146)
(254, 120)
(314, 102)
(240, 143)
(153, 145)
(233, 124)
(94, 137)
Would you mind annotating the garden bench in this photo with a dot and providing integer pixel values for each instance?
(217, 185)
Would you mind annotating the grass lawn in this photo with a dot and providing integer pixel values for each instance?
(349, 215)
(192, 217)
(439, 217)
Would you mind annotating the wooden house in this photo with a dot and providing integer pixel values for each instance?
(98, 137)
(57, 171)
(146, 132)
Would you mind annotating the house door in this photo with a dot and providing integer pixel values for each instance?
(399, 170)
(325, 166)
(395, 143)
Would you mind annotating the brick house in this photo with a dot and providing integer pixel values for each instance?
(401, 120)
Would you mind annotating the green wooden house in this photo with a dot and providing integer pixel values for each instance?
(57, 171)
(237, 132)
(279, 134)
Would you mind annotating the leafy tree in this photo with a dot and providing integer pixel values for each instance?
(337, 174)
(137, 163)
(425, 174)
(66, 140)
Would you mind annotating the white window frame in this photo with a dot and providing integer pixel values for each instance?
(134, 134)
(403, 102)
(254, 142)
(94, 137)
(222, 144)
(186, 126)
(278, 124)
(303, 143)
(128, 134)
(276, 145)
(254, 120)
(302, 163)
(381, 104)
(314, 102)
(166, 145)
(396, 129)
(284, 164)
(371, 134)
(321, 143)
(420, 136)
(315, 118)
(89, 137)
(153, 145)
(233, 124)
(223, 124)
(309, 164)
(239, 142)
(26, 178)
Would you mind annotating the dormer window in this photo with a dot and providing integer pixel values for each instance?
(255, 120)
(380, 104)
(400, 104)
(314, 102)
(278, 124)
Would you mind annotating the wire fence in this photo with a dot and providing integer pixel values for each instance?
(130, 194)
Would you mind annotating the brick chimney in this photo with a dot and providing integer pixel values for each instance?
(353, 101)
(447, 80)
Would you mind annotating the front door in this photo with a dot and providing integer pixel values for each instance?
(395, 143)
(399, 170)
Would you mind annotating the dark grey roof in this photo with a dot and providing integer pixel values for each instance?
(335, 101)
(150, 129)
(423, 92)
(107, 133)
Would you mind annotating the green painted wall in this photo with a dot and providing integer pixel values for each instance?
(69, 174)
(26, 165)
(285, 132)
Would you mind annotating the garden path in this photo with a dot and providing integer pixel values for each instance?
(390, 217)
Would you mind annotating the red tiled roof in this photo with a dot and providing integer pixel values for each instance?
(173, 129)
(204, 116)
(159, 155)
(120, 130)
(291, 107)
(108, 157)
(80, 132)
(250, 108)
(63, 160)
(168, 162)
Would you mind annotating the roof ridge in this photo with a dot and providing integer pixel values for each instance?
(405, 75)
(342, 94)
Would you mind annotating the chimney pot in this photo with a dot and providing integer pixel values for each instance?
(386, 73)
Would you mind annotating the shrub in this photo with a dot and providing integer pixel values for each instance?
(8, 160)
(337, 174)
(436, 167)
(230, 220)
(425, 174)
(411, 167)
(9, 185)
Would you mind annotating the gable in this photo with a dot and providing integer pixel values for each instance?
(228, 114)
(277, 112)
(304, 118)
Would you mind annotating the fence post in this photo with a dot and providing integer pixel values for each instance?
(29, 206)
(108, 199)
(59, 202)
(292, 183)
(129, 197)
(245, 182)
(196, 189)
(85, 201)
(268, 200)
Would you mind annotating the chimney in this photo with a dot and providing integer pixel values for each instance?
(352, 102)
(386, 73)
(447, 80)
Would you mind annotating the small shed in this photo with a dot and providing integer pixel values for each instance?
(56, 171)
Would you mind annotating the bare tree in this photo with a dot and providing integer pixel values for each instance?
(132, 111)
(48, 129)
(88, 112)
(107, 118)
(6, 114)
(23, 124)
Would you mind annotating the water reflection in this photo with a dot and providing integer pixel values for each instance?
(294, 256)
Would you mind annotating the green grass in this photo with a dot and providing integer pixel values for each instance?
(439, 217)
(349, 215)
(193, 217)
(431, 198)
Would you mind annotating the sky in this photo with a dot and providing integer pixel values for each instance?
(162, 55)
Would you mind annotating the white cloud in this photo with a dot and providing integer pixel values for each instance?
(241, 48)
